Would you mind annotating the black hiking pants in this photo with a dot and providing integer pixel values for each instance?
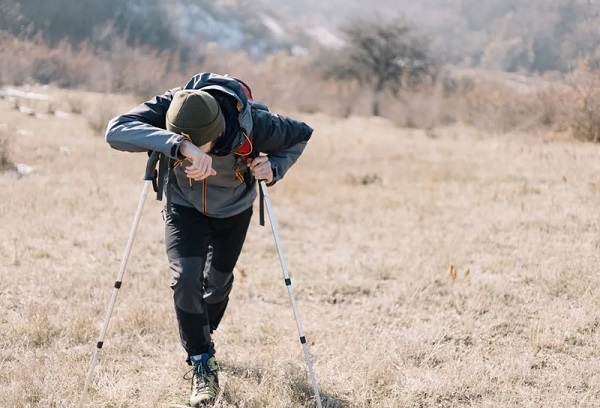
(202, 253)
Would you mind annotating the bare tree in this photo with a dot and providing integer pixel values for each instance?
(384, 56)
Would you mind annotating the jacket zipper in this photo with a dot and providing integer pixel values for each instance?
(204, 188)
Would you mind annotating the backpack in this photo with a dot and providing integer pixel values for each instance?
(216, 84)
(241, 142)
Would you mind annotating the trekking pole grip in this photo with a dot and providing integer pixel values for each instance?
(151, 165)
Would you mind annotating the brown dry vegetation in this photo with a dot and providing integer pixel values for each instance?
(439, 268)
(492, 101)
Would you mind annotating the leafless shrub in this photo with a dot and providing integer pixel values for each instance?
(143, 72)
(364, 179)
(5, 162)
(499, 102)
(583, 111)
(121, 69)
(97, 114)
(75, 103)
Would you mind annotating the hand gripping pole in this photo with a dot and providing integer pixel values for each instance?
(288, 283)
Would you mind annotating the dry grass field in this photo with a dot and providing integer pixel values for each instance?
(446, 268)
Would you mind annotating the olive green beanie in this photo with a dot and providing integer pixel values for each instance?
(196, 114)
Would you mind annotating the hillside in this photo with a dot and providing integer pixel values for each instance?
(432, 268)
(506, 35)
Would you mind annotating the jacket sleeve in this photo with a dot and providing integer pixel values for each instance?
(143, 128)
(281, 138)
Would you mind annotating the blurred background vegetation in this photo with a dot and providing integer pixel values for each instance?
(500, 65)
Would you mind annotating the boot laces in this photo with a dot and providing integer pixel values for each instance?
(202, 373)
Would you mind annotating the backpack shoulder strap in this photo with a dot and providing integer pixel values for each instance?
(223, 83)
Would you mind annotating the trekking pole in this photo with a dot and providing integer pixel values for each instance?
(148, 177)
(288, 283)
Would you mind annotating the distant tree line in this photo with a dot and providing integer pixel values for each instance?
(511, 35)
(140, 22)
(185, 27)
(507, 35)
(538, 35)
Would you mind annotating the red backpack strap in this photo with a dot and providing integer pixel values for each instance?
(245, 87)
(246, 148)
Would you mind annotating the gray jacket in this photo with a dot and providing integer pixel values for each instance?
(233, 189)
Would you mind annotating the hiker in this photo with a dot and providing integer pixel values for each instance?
(216, 142)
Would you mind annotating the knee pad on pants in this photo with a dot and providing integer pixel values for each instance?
(187, 283)
(217, 285)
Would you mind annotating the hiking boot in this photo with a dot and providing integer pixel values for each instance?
(205, 380)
